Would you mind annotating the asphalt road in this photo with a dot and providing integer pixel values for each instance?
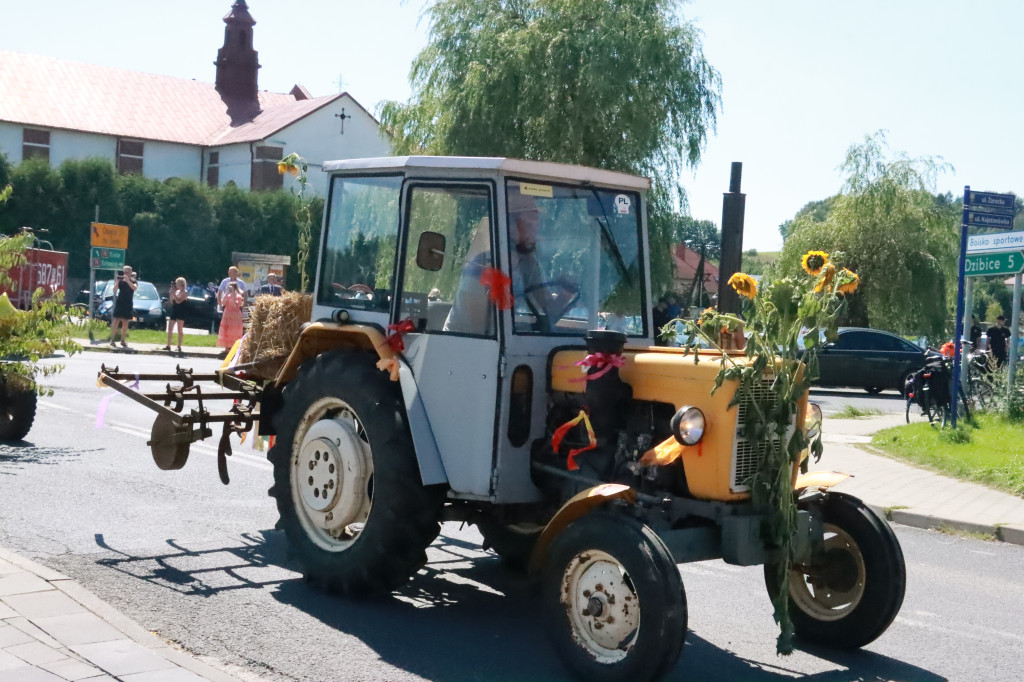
(833, 400)
(200, 564)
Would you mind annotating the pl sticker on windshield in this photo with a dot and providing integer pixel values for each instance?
(622, 204)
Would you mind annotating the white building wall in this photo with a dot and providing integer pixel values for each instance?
(70, 144)
(163, 160)
(235, 164)
(317, 138)
(10, 142)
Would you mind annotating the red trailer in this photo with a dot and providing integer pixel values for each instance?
(43, 269)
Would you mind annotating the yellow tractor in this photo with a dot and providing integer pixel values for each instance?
(480, 349)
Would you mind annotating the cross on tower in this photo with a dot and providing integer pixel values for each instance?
(342, 116)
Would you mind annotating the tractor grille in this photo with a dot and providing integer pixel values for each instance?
(746, 455)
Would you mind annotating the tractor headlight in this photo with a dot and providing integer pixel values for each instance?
(812, 422)
(688, 425)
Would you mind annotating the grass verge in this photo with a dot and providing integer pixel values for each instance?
(854, 412)
(101, 334)
(988, 451)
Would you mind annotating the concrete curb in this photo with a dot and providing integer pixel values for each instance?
(186, 353)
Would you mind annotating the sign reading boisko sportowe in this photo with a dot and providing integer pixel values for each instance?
(995, 241)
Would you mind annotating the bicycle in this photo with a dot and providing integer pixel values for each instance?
(929, 388)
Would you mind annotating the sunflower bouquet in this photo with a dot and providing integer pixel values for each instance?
(784, 321)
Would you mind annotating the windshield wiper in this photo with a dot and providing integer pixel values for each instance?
(608, 239)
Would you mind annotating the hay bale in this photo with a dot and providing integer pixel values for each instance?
(274, 323)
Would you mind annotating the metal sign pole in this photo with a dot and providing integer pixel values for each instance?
(958, 334)
(1014, 334)
(92, 270)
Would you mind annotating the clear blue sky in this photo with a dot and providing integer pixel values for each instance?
(802, 79)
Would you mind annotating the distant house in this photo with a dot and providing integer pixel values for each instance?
(164, 127)
(687, 263)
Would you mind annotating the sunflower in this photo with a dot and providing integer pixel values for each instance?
(285, 167)
(744, 284)
(828, 273)
(849, 280)
(813, 262)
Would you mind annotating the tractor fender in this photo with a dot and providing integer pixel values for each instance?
(578, 506)
(322, 337)
(818, 480)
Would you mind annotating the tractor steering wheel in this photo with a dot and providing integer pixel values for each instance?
(545, 317)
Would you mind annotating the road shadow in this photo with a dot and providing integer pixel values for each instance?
(17, 454)
(888, 394)
(464, 616)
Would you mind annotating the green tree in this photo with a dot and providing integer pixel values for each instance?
(900, 241)
(619, 85)
(814, 210)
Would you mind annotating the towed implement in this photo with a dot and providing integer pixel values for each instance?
(465, 361)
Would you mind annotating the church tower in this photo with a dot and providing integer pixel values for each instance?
(237, 62)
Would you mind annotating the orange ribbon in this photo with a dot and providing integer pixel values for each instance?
(556, 439)
(395, 332)
(499, 287)
(389, 365)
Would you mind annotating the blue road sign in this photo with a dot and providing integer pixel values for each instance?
(995, 203)
(979, 219)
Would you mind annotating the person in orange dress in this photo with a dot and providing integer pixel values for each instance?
(231, 321)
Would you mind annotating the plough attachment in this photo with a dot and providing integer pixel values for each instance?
(175, 429)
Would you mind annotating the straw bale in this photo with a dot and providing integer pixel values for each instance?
(274, 323)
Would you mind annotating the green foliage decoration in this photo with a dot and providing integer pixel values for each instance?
(27, 336)
(770, 380)
(295, 165)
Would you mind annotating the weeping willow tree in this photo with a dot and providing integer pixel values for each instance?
(619, 85)
(896, 235)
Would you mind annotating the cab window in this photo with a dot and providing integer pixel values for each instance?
(359, 249)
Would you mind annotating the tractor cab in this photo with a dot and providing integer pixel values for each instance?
(484, 266)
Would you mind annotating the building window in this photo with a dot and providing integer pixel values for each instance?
(213, 170)
(129, 157)
(264, 168)
(35, 144)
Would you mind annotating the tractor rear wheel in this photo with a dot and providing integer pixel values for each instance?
(17, 408)
(613, 600)
(346, 480)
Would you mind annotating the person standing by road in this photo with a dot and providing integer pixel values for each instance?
(998, 336)
(177, 296)
(232, 278)
(231, 322)
(272, 287)
(124, 305)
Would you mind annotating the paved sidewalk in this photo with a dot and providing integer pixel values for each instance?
(52, 629)
(911, 495)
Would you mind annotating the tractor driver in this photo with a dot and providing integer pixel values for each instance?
(472, 311)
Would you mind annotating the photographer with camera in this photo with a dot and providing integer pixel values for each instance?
(124, 293)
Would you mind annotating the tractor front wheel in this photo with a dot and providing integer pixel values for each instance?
(853, 591)
(17, 408)
(613, 600)
(346, 480)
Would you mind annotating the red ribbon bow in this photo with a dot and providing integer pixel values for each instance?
(603, 362)
(499, 287)
(556, 439)
(395, 331)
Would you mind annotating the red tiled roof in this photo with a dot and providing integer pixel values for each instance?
(686, 262)
(53, 93)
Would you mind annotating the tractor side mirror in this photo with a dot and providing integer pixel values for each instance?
(430, 251)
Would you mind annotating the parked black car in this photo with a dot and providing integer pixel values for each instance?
(868, 358)
(148, 311)
(200, 308)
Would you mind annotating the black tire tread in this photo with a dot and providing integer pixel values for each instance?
(403, 517)
(19, 410)
(627, 540)
(885, 583)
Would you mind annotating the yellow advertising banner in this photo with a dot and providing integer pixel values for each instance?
(109, 236)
